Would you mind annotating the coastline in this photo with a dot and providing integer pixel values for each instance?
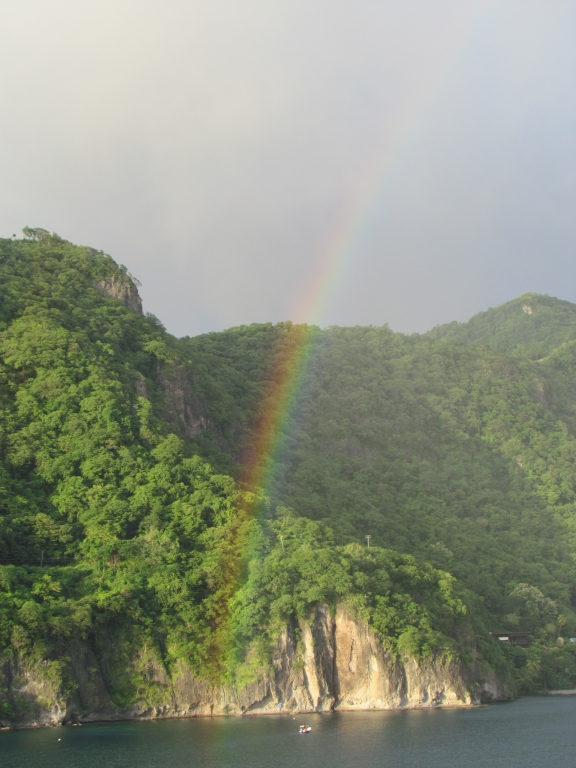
(330, 663)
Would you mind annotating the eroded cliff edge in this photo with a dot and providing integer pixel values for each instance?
(329, 663)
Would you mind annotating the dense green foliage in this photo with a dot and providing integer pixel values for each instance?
(444, 451)
(296, 564)
(543, 668)
(529, 327)
(454, 451)
(106, 517)
(459, 450)
(113, 526)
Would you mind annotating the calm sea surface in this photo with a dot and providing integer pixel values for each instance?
(528, 733)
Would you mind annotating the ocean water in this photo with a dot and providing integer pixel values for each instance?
(533, 732)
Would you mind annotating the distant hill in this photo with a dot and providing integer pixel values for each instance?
(128, 520)
(529, 326)
(121, 544)
(454, 453)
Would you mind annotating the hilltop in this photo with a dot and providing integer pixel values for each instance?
(528, 327)
(127, 523)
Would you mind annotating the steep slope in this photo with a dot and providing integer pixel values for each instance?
(105, 516)
(456, 454)
(332, 661)
(137, 561)
(121, 545)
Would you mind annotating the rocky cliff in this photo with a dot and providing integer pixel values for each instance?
(180, 407)
(331, 662)
(121, 288)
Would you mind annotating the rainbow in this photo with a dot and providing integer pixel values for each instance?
(297, 342)
(291, 362)
(330, 264)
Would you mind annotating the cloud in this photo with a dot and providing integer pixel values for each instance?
(211, 147)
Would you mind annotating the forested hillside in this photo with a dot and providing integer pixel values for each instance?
(529, 327)
(126, 516)
(115, 530)
(455, 452)
(443, 451)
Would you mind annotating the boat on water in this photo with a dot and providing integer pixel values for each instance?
(305, 729)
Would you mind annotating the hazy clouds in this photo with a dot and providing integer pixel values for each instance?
(214, 146)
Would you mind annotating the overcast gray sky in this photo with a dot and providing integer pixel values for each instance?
(343, 162)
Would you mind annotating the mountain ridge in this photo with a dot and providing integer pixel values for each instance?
(124, 517)
(529, 326)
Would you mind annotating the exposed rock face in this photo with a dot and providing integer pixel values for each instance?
(28, 697)
(338, 664)
(181, 406)
(493, 689)
(141, 387)
(122, 289)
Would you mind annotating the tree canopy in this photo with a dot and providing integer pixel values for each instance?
(454, 451)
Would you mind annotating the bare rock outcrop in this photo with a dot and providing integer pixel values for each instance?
(331, 662)
(121, 288)
(181, 406)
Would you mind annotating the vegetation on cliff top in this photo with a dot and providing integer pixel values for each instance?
(111, 524)
(457, 459)
(528, 327)
(456, 454)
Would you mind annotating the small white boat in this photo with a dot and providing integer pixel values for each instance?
(305, 729)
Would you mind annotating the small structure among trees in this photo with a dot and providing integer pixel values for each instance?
(514, 638)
